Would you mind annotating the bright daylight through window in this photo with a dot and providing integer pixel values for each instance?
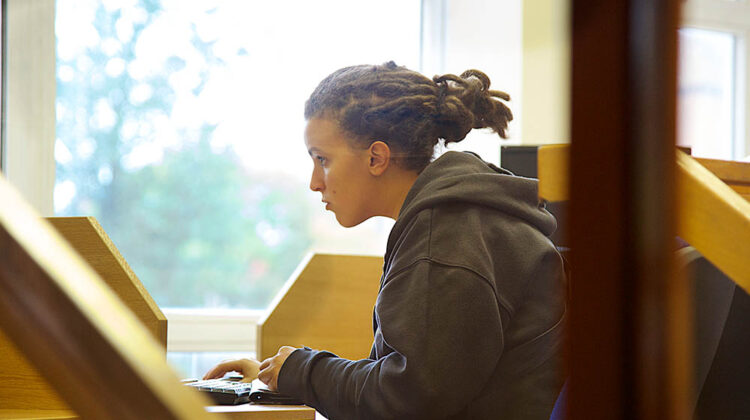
(179, 127)
(707, 102)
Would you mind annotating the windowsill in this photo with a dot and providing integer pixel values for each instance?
(211, 330)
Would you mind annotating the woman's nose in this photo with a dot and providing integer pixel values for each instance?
(316, 182)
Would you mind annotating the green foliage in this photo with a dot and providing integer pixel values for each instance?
(195, 226)
(204, 233)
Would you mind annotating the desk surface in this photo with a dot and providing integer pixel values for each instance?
(263, 412)
(16, 414)
(234, 412)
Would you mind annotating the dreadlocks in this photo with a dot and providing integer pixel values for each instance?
(407, 110)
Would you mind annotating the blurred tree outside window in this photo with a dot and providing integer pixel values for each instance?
(179, 127)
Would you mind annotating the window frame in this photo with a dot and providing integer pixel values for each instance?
(216, 328)
(190, 330)
(212, 330)
(732, 18)
(3, 50)
(28, 95)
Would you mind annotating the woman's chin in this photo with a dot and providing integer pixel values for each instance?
(348, 222)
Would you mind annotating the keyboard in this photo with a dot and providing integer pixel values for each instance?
(223, 391)
(230, 391)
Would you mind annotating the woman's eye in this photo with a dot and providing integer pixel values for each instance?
(321, 160)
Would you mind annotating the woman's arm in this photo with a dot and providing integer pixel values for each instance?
(439, 340)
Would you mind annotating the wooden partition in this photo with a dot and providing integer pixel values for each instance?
(713, 215)
(89, 239)
(714, 219)
(735, 174)
(23, 388)
(713, 207)
(553, 163)
(327, 304)
(76, 332)
(28, 388)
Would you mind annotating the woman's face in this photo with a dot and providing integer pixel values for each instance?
(340, 172)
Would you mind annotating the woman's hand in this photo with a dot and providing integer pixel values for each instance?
(247, 367)
(269, 369)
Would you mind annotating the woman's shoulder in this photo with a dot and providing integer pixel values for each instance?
(451, 234)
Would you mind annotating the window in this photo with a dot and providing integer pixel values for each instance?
(179, 126)
(706, 98)
(713, 78)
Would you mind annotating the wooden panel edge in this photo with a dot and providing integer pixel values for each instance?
(58, 348)
(66, 225)
(729, 171)
(310, 270)
(553, 172)
(126, 267)
(724, 240)
(301, 267)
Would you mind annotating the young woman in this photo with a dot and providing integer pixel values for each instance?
(468, 319)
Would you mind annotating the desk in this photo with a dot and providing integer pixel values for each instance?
(232, 412)
(18, 414)
(263, 412)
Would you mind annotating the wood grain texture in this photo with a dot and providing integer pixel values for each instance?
(229, 412)
(75, 331)
(22, 385)
(729, 171)
(89, 239)
(12, 414)
(327, 304)
(735, 174)
(714, 219)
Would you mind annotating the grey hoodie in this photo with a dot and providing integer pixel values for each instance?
(468, 320)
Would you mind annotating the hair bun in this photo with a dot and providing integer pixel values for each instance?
(467, 102)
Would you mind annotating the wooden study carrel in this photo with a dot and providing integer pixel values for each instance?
(79, 336)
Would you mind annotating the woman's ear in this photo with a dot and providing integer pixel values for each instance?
(380, 157)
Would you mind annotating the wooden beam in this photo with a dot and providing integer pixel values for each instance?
(626, 358)
(714, 219)
(733, 173)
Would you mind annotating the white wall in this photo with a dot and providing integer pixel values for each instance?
(545, 86)
(524, 46)
(30, 100)
(477, 34)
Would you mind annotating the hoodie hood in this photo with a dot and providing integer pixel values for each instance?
(457, 177)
